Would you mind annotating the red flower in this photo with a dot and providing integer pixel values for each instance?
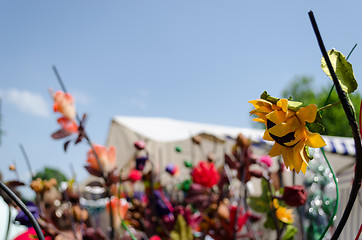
(205, 174)
(242, 217)
(30, 234)
(155, 238)
(295, 196)
(135, 175)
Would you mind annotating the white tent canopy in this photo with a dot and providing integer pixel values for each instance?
(163, 134)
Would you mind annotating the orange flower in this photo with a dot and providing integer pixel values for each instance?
(119, 209)
(64, 103)
(68, 125)
(106, 157)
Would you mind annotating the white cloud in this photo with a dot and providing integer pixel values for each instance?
(28, 102)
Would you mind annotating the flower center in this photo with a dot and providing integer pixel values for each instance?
(281, 140)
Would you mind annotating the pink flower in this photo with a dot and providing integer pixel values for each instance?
(64, 103)
(140, 145)
(205, 174)
(266, 160)
(107, 158)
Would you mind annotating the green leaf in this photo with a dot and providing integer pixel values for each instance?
(269, 222)
(290, 232)
(258, 204)
(262, 203)
(315, 127)
(343, 70)
(292, 105)
(181, 230)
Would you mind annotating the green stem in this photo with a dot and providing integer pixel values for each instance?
(325, 107)
(127, 229)
(330, 222)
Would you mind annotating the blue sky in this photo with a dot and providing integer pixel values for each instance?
(189, 60)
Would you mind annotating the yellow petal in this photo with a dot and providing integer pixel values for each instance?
(260, 102)
(314, 140)
(308, 113)
(267, 136)
(283, 104)
(288, 157)
(261, 120)
(276, 150)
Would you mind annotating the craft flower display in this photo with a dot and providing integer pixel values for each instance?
(205, 174)
(64, 103)
(288, 129)
(107, 158)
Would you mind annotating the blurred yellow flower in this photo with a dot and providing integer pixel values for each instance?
(283, 214)
(287, 128)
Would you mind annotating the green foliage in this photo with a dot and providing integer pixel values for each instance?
(262, 203)
(290, 232)
(303, 89)
(48, 173)
(181, 230)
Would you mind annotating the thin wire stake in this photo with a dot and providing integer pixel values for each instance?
(356, 185)
(24, 209)
(26, 160)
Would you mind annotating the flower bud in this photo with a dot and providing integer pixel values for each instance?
(140, 145)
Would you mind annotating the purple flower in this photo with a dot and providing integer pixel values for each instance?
(172, 169)
(23, 219)
(140, 162)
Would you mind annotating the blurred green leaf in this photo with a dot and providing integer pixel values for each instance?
(181, 230)
(290, 232)
(262, 203)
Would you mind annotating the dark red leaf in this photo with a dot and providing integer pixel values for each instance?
(66, 145)
(61, 133)
(113, 177)
(230, 162)
(93, 171)
(15, 183)
(79, 138)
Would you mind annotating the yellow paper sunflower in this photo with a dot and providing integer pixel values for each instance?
(287, 128)
(283, 214)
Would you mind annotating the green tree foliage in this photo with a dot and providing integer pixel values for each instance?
(334, 120)
(48, 173)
